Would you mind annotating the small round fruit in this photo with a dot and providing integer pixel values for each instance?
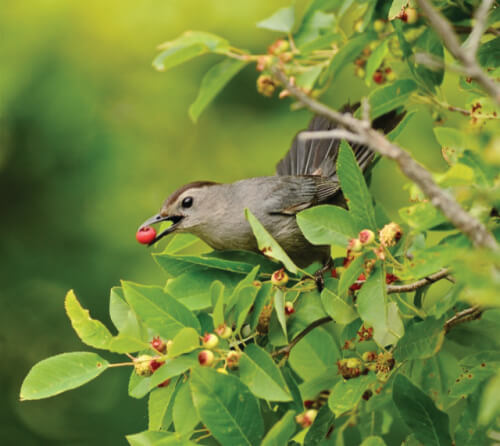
(369, 356)
(353, 363)
(390, 75)
(307, 418)
(206, 358)
(145, 235)
(158, 344)
(279, 278)
(378, 77)
(378, 25)
(358, 26)
(360, 72)
(289, 308)
(154, 365)
(142, 365)
(224, 331)
(355, 245)
(210, 340)
(411, 16)
(366, 236)
(233, 359)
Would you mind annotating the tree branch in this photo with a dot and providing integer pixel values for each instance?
(466, 315)
(364, 134)
(409, 287)
(466, 55)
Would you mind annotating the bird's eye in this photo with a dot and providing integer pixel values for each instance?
(187, 202)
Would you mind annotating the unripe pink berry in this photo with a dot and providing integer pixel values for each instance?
(210, 340)
(224, 331)
(158, 344)
(279, 277)
(289, 308)
(354, 245)
(366, 236)
(206, 358)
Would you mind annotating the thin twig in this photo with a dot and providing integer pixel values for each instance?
(440, 198)
(466, 55)
(409, 287)
(466, 315)
(286, 350)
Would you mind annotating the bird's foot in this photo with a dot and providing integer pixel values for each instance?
(318, 275)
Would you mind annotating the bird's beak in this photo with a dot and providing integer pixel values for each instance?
(158, 218)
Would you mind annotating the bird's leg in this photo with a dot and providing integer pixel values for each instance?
(318, 275)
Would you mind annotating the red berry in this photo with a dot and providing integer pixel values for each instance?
(390, 278)
(145, 235)
(210, 340)
(206, 358)
(154, 365)
(164, 383)
(158, 344)
(378, 77)
(366, 236)
(289, 308)
(334, 273)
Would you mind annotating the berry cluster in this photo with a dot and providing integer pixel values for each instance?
(146, 365)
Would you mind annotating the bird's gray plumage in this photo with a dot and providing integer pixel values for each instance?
(305, 177)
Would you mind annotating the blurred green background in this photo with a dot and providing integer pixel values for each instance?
(92, 139)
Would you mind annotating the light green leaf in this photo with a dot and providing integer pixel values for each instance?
(217, 298)
(184, 414)
(262, 376)
(179, 242)
(373, 441)
(171, 368)
(430, 425)
(350, 274)
(374, 309)
(421, 340)
(188, 46)
(281, 431)
(387, 98)
(226, 407)
(151, 438)
(422, 216)
(159, 406)
(60, 373)
(282, 20)
(246, 299)
(212, 83)
(327, 225)
(263, 297)
(396, 7)
(375, 60)
(321, 425)
(122, 316)
(489, 407)
(185, 341)
(347, 393)
(354, 188)
(336, 307)
(158, 310)
(279, 308)
(268, 245)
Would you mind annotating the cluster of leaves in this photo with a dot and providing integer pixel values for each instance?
(351, 364)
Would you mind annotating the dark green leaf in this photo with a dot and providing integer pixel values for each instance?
(351, 274)
(281, 431)
(392, 136)
(279, 308)
(354, 188)
(282, 20)
(489, 53)
(262, 376)
(387, 98)
(60, 373)
(158, 310)
(421, 340)
(327, 225)
(375, 60)
(429, 43)
(213, 82)
(226, 407)
(430, 425)
(262, 299)
(320, 427)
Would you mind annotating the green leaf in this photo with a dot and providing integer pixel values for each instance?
(374, 309)
(158, 310)
(213, 82)
(188, 46)
(347, 394)
(184, 414)
(93, 332)
(430, 425)
(268, 245)
(262, 298)
(314, 354)
(185, 341)
(281, 431)
(349, 52)
(159, 406)
(421, 340)
(246, 299)
(429, 43)
(421, 216)
(489, 53)
(336, 307)
(318, 431)
(217, 298)
(322, 42)
(471, 378)
(490, 403)
(392, 136)
(387, 98)
(226, 407)
(279, 308)
(373, 441)
(354, 188)
(452, 142)
(172, 368)
(396, 7)
(351, 274)
(313, 27)
(327, 225)
(282, 20)
(262, 376)
(179, 242)
(60, 373)
(150, 438)
(176, 265)
(375, 60)
(122, 316)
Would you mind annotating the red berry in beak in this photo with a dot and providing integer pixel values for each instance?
(145, 235)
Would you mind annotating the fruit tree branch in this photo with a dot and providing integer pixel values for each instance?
(465, 54)
(409, 287)
(363, 133)
(466, 315)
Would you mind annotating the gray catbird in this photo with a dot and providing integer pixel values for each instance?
(305, 177)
